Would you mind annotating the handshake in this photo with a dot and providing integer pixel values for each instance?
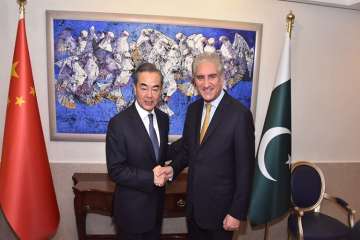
(162, 175)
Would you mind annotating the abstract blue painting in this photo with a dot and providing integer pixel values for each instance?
(92, 61)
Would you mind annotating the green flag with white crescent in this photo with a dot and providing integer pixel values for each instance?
(270, 197)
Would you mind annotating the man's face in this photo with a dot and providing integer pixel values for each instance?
(148, 90)
(207, 81)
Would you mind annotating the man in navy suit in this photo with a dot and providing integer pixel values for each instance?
(136, 146)
(218, 147)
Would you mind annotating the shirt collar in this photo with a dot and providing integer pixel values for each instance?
(142, 112)
(214, 103)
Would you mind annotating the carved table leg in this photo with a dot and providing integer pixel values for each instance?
(80, 215)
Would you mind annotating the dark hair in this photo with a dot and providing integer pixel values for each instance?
(146, 67)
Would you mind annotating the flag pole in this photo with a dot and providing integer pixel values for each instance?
(266, 232)
(290, 18)
(21, 6)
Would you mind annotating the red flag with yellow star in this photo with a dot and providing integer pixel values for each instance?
(27, 195)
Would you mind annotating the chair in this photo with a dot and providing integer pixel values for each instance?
(307, 191)
(355, 232)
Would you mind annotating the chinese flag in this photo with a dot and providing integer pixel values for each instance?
(27, 195)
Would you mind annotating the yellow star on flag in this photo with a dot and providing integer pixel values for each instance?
(13, 70)
(19, 101)
(32, 91)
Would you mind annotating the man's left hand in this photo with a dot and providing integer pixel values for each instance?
(230, 223)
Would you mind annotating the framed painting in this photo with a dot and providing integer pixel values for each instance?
(91, 58)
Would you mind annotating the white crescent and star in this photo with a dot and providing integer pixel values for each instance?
(266, 139)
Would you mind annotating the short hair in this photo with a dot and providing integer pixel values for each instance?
(208, 57)
(146, 67)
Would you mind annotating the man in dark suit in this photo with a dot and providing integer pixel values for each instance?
(218, 147)
(136, 146)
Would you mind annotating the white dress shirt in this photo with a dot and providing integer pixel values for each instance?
(214, 104)
(144, 115)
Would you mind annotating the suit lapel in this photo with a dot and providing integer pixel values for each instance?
(162, 131)
(141, 130)
(197, 117)
(216, 119)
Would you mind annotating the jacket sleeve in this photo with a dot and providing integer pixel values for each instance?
(181, 158)
(120, 171)
(244, 160)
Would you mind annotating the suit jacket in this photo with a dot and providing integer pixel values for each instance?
(137, 203)
(221, 168)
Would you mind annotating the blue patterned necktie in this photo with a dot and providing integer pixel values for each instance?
(153, 137)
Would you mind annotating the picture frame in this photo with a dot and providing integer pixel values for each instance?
(91, 57)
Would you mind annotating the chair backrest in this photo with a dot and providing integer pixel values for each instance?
(307, 185)
(355, 232)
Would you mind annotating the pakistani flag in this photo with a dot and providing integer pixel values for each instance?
(271, 188)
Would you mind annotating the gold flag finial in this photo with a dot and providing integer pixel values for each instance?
(290, 18)
(21, 7)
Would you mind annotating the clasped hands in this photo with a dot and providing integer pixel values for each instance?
(162, 175)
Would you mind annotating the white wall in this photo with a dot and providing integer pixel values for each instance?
(325, 67)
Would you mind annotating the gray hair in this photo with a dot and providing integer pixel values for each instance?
(208, 57)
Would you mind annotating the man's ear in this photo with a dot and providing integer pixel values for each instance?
(134, 89)
(222, 78)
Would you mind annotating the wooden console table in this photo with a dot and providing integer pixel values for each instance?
(93, 194)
